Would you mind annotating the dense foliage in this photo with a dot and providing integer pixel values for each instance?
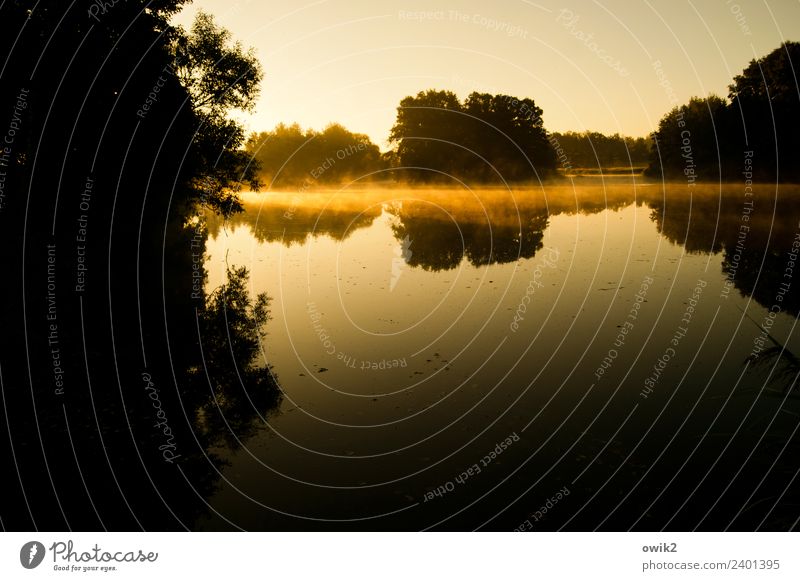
(753, 132)
(289, 155)
(487, 138)
(591, 149)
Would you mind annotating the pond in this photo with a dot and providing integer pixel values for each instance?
(600, 353)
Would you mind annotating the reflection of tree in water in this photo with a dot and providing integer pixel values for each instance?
(755, 259)
(488, 226)
(213, 384)
(593, 205)
(496, 230)
(692, 226)
(231, 327)
(440, 243)
(294, 225)
(104, 440)
(755, 249)
(222, 388)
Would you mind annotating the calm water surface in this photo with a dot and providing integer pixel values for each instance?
(453, 359)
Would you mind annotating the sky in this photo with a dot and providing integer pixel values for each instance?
(615, 66)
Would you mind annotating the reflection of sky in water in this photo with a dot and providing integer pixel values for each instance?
(404, 385)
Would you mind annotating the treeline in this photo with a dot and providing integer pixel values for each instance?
(289, 155)
(501, 139)
(437, 138)
(751, 135)
(590, 149)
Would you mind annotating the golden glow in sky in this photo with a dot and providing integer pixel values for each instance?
(611, 66)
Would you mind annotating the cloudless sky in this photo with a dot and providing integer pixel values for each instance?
(587, 64)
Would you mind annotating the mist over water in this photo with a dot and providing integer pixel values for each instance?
(616, 332)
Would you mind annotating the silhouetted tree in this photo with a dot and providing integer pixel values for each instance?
(711, 136)
(487, 138)
(691, 140)
(427, 135)
(288, 155)
(120, 131)
(766, 100)
(220, 77)
(509, 133)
